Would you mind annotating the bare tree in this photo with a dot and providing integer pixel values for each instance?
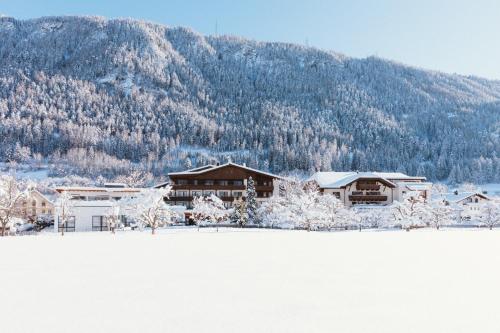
(490, 214)
(209, 210)
(113, 216)
(65, 206)
(440, 214)
(149, 208)
(10, 198)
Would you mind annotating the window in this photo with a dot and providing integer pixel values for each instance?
(99, 223)
(33, 203)
(209, 192)
(357, 193)
(223, 194)
(209, 182)
(43, 211)
(237, 194)
(98, 198)
(181, 182)
(196, 193)
(182, 193)
(222, 182)
(43, 204)
(237, 182)
(336, 194)
(69, 226)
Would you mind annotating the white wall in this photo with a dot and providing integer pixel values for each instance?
(83, 215)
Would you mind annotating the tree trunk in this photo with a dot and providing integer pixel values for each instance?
(437, 227)
(153, 230)
(62, 229)
(491, 227)
(3, 230)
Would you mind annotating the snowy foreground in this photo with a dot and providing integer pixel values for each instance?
(252, 281)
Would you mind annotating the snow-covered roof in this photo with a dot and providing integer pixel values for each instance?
(97, 189)
(210, 167)
(334, 179)
(416, 186)
(458, 197)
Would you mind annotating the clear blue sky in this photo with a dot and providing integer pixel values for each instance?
(460, 36)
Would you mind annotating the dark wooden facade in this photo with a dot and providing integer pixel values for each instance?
(228, 182)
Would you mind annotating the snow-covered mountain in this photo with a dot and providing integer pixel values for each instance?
(102, 95)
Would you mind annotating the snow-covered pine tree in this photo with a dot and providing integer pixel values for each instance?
(239, 214)
(251, 202)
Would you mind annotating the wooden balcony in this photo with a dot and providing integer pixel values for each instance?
(368, 198)
(209, 187)
(190, 198)
(367, 187)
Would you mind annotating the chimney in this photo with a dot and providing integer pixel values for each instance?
(218, 163)
(456, 192)
(245, 165)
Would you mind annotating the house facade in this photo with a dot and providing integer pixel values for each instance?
(228, 182)
(467, 205)
(36, 205)
(91, 206)
(370, 188)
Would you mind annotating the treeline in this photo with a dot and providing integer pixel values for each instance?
(100, 96)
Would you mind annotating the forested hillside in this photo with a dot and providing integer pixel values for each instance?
(102, 96)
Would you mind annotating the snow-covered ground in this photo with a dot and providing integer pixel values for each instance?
(182, 280)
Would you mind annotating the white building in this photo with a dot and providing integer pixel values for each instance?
(370, 188)
(91, 205)
(467, 205)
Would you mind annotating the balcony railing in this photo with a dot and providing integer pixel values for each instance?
(368, 187)
(207, 187)
(190, 198)
(368, 197)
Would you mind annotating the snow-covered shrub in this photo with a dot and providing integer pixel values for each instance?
(149, 208)
(209, 210)
(11, 196)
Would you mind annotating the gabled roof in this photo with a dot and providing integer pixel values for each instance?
(97, 189)
(208, 168)
(456, 198)
(416, 186)
(341, 179)
(44, 197)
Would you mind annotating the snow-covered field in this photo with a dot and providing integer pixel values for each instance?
(251, 281)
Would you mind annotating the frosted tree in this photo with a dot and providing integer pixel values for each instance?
(440, 214)
(439, 189)
(209, 210)
(239, 213)
(187, 163)
(374, 218)
(11, 197)
(412, 212)
(149, 208)
(490, 213)
(307, 210)
(251, 201)
(65, 207)
(113, 216)
(276, 212)
(136, 178)
(334, 211)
